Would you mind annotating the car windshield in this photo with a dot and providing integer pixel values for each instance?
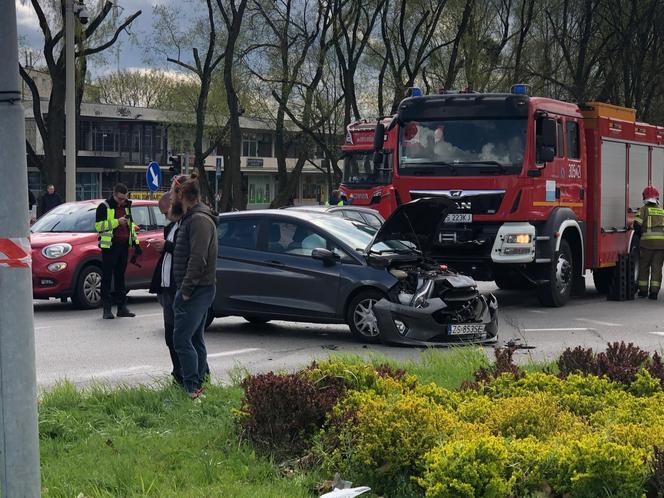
(359, 169)
(468, 147)
(67, 218)
(359, 236)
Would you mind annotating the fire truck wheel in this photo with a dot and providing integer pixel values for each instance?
(556, 292)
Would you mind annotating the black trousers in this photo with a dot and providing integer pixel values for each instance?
(114, 265)
(166, 298)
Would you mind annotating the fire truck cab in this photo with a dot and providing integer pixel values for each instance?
(367, 180)
(544, 189)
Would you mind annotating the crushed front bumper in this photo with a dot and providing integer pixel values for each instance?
(403, 324)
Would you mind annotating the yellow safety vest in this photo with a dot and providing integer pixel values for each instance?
(340, 203)
(651, 218)
(105, 228)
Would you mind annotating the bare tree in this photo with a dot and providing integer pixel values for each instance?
(288, 34)
(52, 129)
(354, 22)
(203, 64)
(233, 14)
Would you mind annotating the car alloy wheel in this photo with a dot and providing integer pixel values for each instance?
(92, 288)
(365, 319)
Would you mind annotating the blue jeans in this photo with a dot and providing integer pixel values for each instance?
(188, 335)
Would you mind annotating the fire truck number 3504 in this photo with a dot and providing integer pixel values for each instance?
(574, 170)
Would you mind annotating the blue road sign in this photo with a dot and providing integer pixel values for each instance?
(153, 176)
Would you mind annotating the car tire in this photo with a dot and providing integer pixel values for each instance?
(558, 288)
(256, 320)
(360, 317)
(209, 318)
(87, 293)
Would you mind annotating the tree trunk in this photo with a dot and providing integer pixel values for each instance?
(199, 154)
(54, 159)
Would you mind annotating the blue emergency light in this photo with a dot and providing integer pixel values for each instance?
(414, 91)
(520, 89)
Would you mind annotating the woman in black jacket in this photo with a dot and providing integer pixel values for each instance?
(163, 283)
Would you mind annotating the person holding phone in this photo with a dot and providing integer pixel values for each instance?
(116, 233)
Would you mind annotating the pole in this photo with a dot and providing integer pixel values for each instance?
(186, 163)
(70, 104)
(19, 443)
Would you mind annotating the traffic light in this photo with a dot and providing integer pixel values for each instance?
(176, 164)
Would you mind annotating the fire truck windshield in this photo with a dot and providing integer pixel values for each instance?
(468, 147)
(359, 169)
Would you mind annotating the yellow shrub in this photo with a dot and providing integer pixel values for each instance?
(382, 438)
(593, 467)
(470, 468)
(538, 415)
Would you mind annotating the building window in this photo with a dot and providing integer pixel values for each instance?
(87, 186)
(264, 145)
(249, 145)
(259, 189)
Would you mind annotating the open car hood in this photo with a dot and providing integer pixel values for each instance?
(416, 222)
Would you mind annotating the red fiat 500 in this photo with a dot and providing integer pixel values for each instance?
(66, 260)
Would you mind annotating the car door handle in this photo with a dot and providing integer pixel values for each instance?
(275, 263)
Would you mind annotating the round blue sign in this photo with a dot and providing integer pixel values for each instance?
(153, 176)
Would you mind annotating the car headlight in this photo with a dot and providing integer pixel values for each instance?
(55, 251)
(518, 238)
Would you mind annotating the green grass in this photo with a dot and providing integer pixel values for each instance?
(154, 442)
(131, 442)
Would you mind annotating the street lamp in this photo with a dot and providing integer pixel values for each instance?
(72, 8)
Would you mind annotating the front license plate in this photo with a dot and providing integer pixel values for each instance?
(459, 218)
(465, 329)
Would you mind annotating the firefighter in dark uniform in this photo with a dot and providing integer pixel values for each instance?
(117, 234)
(649, 224)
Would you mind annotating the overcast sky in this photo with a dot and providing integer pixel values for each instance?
(131, 55)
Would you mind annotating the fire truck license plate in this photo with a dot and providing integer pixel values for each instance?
(459, 218)
(465, 329)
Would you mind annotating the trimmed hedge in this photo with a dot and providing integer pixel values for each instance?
(572, 434)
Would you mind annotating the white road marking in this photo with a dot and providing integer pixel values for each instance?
(539, 312)
(597, 322)
(657, 333)
(560, 329)
(42, 328)
(149, 315)
(232, 353)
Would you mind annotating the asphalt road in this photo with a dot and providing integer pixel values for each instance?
(81, 347)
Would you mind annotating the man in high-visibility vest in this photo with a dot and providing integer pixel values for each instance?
(117, 233)
(649, 224)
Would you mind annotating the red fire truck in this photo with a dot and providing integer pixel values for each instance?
(543, 189)
(365, 182)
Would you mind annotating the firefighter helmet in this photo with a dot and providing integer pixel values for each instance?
(650, 192)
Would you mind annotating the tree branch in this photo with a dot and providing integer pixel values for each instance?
(104, 46)
(36, 102)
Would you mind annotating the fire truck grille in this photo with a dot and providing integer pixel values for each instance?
(482, 203)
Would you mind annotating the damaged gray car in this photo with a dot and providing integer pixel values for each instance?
(430, 303)
(388, 285)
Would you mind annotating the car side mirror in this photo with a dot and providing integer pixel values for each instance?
(325, 255)
(379, 137)
(546, 154)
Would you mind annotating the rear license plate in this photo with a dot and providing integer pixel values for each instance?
(459, 218)
(465, 329)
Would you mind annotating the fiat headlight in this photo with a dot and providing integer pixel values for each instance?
(55, 251)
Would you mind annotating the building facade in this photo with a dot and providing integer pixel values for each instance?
(116, 143)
